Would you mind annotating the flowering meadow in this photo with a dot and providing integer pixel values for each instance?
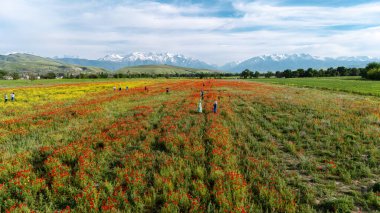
(83, 147)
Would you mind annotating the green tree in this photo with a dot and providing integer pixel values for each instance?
(15, 76)
(246, 73)
(268, 74)
(50, 75)
(3, 73)
(287, 73)
(370, 66)
(374, 74)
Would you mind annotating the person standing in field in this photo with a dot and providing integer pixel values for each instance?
(126, 88)
(119, 88)
(202, 94)
(5, 98)
(114, 88)
(200, 106)
(215, 106)
(167, 90)
(12, 96)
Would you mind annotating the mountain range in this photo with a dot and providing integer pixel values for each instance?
(115, 61)
(280, 62)
(274, 62)
(20, 62)
(27, 63)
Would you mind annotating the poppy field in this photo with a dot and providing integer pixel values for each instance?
(85, 147)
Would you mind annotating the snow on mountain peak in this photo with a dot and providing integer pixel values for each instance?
(152, 57)
(143, 58)
(113, 58)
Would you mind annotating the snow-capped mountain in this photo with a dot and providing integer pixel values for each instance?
(112, 57)
(138, 58)
(280, 62)
(263, 63)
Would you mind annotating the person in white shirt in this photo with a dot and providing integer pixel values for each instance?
(13, 96)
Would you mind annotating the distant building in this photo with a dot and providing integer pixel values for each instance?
(25, 77)
(7, 77)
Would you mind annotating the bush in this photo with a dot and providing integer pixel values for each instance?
(376, 187)
(338, 205)
(374, 74)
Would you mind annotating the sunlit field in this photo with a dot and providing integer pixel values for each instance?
(83, 147)
(355, 85)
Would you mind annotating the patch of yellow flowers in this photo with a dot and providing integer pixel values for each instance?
(28, 99)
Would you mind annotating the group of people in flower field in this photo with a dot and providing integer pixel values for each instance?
(215, 105)
(200, 109)
(114, 88)
(13, 97)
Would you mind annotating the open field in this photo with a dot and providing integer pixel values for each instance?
(346, 84)
(83, 147)
(51, 82)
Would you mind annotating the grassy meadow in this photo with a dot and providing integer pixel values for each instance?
(347, 84)
(82, 147)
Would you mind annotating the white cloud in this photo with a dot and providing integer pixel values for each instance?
(94, 28)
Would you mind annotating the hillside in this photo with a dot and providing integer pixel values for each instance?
(162, 69)
(27, 63)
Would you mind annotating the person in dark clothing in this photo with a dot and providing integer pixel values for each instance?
(215, 106)
(202, 94)
(167, 90)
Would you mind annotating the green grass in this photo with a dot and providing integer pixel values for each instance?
(269, 148)
(346, 84)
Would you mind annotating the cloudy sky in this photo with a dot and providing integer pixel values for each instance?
(216, 31)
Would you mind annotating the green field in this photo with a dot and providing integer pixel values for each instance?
(346, 84)
(75, 146)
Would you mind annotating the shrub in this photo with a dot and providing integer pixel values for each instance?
(374, 74)
(338, 205)
(376, 187)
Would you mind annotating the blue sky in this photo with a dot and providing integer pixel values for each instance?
(216, 31)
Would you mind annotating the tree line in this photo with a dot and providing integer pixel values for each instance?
(53, 75)
(371, 71)
(147, 75)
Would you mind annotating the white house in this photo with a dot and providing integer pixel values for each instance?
(7, 77)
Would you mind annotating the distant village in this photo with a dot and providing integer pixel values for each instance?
(24, 76)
